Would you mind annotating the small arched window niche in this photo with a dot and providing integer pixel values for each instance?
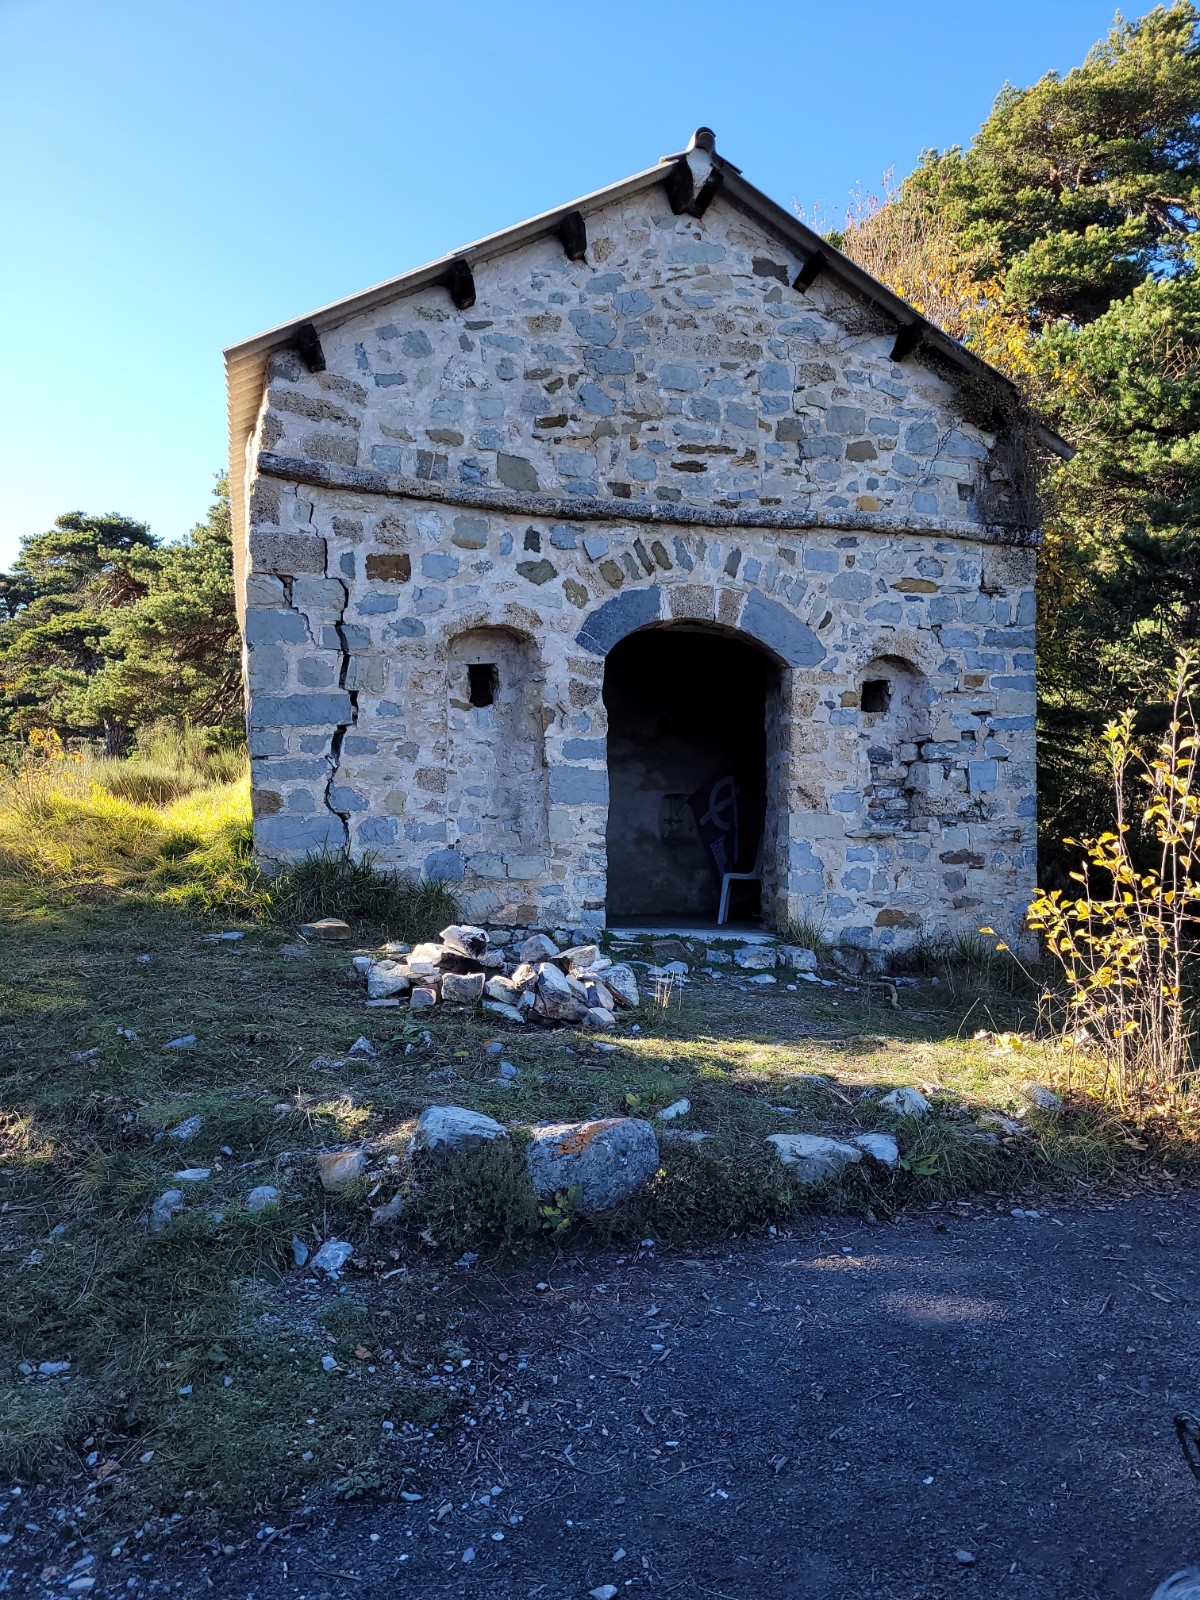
(893, 705)
(495, 757)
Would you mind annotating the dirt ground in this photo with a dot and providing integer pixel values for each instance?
(961, 1403)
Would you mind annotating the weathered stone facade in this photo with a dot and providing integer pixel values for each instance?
(452, 515)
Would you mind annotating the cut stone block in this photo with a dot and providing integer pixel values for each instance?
(462, 988)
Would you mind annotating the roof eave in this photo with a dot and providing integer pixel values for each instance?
(807, 242)
(246, 361)
(492, 244)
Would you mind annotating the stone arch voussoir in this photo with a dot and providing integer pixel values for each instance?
(788, 640)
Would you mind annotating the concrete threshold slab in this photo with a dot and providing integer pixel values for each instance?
(712, 935)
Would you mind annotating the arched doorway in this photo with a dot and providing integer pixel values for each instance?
(693, 732)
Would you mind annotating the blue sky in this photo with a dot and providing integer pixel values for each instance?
(180, 174)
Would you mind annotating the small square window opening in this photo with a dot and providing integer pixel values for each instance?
(483, 681)
(876, 694)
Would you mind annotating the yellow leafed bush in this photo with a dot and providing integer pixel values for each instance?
(1127, 941)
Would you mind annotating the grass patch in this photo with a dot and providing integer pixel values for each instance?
(809, 935)
(356, 891)
(192, 1378)
(477, 1197)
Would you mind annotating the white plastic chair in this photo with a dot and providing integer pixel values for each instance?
(728, 879)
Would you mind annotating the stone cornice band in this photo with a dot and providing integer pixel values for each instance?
(581, 508)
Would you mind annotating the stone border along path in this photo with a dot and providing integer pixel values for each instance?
(601, 1161)
(966, 1403)
(524, 978)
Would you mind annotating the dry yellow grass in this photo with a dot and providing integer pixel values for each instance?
(65, 834)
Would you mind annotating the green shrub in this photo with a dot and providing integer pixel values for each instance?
(473, 1197)
(730, 1186)
(333, 884)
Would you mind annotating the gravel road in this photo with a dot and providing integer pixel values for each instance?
(961, 1403)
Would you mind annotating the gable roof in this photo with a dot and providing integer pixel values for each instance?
(692, 177)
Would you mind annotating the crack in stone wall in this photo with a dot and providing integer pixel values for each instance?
(339, 733)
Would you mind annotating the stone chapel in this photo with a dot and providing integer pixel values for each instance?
(645, 541)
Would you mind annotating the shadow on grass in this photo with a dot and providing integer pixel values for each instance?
(196, 1352)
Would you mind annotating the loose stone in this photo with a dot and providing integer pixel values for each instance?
(579, 958)
(340, 1167)
(385, 980)
(881, 1147)
(497, 1008)
(555, 997)
(441, 1129)
(502, 989)
(622, 983)
(755, 957)
(906, 1103)
(466, 939)
(388, 1212)
(168, 1205)
(1044, 1099)
(462, 989)
(816, 1159)
(333, 1256)
(608, 1160)
(187, 1129)
(329, 930)
(797, 957)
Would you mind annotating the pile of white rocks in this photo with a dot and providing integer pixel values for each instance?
(530, 981)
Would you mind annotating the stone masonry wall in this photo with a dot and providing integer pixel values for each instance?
(675, 366)
(674, 370)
